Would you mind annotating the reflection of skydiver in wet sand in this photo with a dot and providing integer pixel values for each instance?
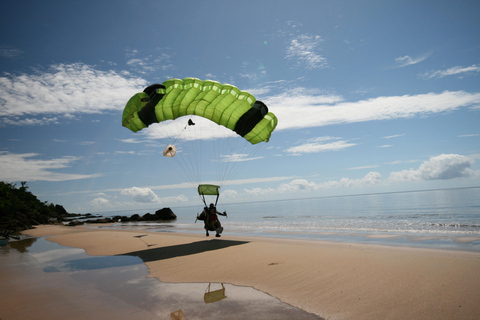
(209, 217)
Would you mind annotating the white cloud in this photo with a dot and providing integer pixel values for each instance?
(442, 167)
(17, 121)
(141, 194)
(229, 194)
(66, 89)
(469, 135)
(302, 185)
(394, 136)
(301, 109)
(131, 140)
(457, 70)
(320, 144)
(364, 167)
(401, 161)
(304, 49)
(370, 179)
(407, 60)
(149, 63)
(21, 167)
(9, 52)
(178, 129)
(100, 202)
(86, 143)
(236, 157)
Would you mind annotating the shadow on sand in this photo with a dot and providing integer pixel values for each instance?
(181, 250)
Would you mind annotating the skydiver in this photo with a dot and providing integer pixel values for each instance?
(210, 219)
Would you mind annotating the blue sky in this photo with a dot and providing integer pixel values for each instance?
(371, 96)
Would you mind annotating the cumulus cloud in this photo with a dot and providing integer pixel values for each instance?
(304, 49)
(24, 167)
(141, 194)
(66, 89)
(303, 185)
(320, 144)
(229, 194)
(100, 202)
(457, 70)
(442, 167)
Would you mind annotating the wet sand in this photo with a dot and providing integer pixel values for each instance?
(28, 292)
(332, 280)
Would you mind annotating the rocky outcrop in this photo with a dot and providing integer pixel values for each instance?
(164, 214)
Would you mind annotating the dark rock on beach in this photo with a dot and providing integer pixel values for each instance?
(164, 214)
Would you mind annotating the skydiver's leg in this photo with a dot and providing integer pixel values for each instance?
(206, 229)
(218, 228)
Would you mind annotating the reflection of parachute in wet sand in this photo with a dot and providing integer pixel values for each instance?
(212, 296)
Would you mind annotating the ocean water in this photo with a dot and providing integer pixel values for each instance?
(448, 218)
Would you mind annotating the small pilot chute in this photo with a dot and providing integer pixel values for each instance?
(170, 151)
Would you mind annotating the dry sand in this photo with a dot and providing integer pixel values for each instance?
(332, 280)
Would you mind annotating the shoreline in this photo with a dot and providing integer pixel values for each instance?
(432, 240)
(332, 280)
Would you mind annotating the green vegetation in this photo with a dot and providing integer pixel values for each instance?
(21, 210)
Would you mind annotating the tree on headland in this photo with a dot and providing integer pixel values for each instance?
(21, 210)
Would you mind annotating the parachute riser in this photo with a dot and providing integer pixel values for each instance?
(202, 196)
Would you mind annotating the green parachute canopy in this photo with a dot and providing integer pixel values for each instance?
(223, 104)
(208, 190)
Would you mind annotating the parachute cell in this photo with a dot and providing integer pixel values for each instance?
(223, 104)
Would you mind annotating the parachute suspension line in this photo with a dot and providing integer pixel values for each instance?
(190, 159)
(236, 154)
(189, 123)
(202, 197)
(186, 163)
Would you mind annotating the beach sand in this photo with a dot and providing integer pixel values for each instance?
(332, 280)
